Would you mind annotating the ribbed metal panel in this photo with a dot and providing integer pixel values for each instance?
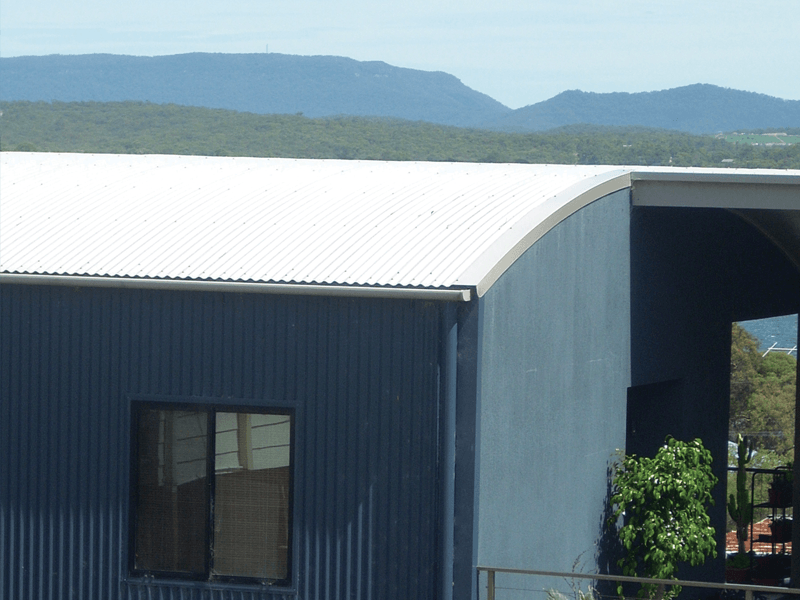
(362, 376)
(62, 486)
(278, 220)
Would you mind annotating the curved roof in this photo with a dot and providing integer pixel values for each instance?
(401, 225)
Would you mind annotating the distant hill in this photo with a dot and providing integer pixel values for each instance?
(260, 83)
(699, 108)
(324, 86)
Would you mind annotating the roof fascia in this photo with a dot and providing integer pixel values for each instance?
(488, 268)
(716, 190)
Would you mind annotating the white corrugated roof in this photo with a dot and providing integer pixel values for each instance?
(267, 220)
(326, 222)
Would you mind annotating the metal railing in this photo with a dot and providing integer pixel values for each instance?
(774, 348)
(747, 589)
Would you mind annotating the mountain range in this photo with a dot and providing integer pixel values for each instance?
(320, 86)
(699, 108)
(317, 86)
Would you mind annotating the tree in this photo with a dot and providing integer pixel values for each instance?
(662, 502)
(772, 404)
(762, 394)
(745, 361)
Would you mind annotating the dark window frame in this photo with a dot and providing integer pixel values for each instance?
(211, 409)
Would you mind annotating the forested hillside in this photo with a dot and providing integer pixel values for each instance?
(134, 127)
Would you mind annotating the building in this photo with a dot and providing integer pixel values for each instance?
(273, 378)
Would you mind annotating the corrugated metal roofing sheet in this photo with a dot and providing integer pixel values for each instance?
(271, 220)
(267, 220)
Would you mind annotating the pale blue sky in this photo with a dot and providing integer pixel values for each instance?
(518, 51)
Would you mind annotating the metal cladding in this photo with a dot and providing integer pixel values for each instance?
(361, 376)
(271, 220)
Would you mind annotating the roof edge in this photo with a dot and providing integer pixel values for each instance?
(536, 223)
(751, 176)
(240, 287)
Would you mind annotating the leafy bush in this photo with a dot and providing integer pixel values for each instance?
(662, 502)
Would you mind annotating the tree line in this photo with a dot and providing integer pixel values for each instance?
(146, 128)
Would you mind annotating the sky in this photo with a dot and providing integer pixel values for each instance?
(519, 52)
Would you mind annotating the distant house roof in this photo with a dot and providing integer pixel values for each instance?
(414, 225)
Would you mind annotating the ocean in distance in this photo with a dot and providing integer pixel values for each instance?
(778, 331)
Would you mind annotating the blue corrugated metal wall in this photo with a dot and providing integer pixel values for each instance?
(361, 374)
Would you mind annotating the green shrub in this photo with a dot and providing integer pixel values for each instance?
(661, 502)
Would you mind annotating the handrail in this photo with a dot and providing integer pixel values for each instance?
(774, 348)
(760, 470)
(748, 589)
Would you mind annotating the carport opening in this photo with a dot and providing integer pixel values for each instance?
(762, 409)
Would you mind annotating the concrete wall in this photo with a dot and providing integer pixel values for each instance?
(612, 297)
(555, 372)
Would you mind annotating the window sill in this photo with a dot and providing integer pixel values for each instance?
(147, 582)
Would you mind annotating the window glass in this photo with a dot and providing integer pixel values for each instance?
(231, 522)
(251, 511)
(172, 499)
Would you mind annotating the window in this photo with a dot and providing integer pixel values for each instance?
(211, 493)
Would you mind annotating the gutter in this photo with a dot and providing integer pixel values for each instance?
(241, 287)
